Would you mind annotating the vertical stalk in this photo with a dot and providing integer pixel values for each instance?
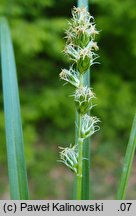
(83, 3)
(80, 158)
(80, 152)
(86, 147)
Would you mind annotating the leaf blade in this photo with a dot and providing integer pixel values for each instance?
(14, 137)
(121, 193)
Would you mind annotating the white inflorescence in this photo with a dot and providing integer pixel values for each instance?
(81, 50)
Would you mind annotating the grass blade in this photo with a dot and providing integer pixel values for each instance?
(121, 193)
(14, 137)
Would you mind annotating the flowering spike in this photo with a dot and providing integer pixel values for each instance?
(81, 50)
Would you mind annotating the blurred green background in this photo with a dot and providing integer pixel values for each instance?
(47, 110)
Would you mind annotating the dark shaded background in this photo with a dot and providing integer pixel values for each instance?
(47, 110)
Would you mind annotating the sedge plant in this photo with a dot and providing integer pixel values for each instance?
(81, 50)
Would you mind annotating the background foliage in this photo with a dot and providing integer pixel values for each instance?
(48, 111)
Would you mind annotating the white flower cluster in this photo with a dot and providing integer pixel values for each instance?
(70, 76)
(81, 28)
(83, 99)
(69, 156)
(88, 126)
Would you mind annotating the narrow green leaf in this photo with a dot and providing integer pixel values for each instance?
(14, 137)
(121, 193)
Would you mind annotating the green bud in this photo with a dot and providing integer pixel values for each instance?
(83, 64)
(86, 56)
(83, 40)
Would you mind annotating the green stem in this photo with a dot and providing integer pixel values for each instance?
(80, 158)
(83, 3)
(81, 80)
(80, 152)
(86, 147)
